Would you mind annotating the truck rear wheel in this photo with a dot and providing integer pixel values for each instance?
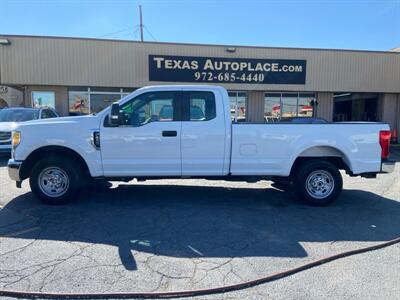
(55, 181)
(318, 182)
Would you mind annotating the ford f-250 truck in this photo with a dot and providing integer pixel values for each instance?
(186, 132)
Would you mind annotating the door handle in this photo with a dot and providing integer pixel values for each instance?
(169, 133)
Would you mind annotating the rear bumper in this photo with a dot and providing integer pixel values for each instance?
(387, 166)
(14, 169)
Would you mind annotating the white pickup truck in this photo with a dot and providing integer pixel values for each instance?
(186, 131)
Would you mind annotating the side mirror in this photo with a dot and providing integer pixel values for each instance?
(114, 117)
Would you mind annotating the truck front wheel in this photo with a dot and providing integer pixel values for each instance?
(318, 182)
(55, 181)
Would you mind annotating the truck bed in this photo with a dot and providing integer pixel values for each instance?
(272, 148)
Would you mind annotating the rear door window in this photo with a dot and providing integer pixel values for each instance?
(199, 106)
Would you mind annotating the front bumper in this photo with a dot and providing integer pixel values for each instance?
(14, 170)
(387, 166)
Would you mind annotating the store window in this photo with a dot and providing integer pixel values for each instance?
(238, 102)
(84, 100)
(78, 103)
(43, 99)
(98, 102)
(355, 107)
(305, 106)
(272, 107)
(288, 105)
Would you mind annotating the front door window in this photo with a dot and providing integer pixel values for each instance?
(147, 108)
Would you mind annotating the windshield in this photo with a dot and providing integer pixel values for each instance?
(18, 115)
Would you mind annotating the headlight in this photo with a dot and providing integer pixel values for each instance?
(16, 139)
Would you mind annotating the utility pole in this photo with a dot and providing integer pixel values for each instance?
(141, 23)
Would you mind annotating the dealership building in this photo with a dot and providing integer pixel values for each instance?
(82, 76)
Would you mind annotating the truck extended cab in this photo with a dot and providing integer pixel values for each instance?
(186, 132)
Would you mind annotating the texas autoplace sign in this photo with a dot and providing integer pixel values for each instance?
(226, 70)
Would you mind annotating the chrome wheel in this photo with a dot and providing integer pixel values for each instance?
(53, 182)
(320, 184)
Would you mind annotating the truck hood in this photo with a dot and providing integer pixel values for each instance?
(8, 126)
(89, 122)
(74, 133)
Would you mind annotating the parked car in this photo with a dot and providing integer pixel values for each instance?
(158, 132)
(11, 117)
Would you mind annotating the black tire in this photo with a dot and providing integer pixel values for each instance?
(318, 182)
(70, 171)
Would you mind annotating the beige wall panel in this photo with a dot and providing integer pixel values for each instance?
(389, 109)
(90, 62)
(255, 106)
(325, 106)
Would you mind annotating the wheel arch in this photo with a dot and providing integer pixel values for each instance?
(48, 151)
(326, 153)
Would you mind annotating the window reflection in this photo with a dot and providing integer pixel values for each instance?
(98, 102)
(288, 105)
(78, 103)
(149, 107)
(272, 107)
(305, 107)
(43, 99)
(85, 100)
(238, 105)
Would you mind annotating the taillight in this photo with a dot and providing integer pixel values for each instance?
(384, 141)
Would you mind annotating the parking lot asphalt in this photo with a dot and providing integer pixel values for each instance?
(178, 235)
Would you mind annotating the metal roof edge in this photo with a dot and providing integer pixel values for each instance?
(197, 44)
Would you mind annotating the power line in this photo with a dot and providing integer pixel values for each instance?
(136, 32)
(148, 31)
(115, 32)
(126, 34)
